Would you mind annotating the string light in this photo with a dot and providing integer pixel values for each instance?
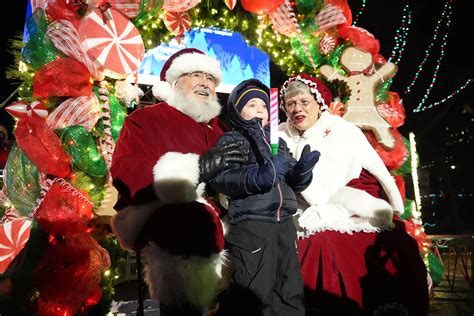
(438, 64)
(455, 92)
(445, 14)
(401, 34)
(359, 14)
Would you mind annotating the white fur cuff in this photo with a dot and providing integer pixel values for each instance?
(361, 203)
(176, 177)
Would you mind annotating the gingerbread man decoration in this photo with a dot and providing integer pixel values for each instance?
(362, 80)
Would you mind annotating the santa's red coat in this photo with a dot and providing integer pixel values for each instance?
(148, 134)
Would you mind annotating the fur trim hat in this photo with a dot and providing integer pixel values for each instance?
(321, 92)
(184, 61)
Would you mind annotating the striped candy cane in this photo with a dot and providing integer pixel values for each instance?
(291, 15)
(106, 143)
(274, 120)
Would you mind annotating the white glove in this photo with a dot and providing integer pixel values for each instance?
(314, 215)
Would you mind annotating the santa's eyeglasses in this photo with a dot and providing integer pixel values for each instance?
(198, 76)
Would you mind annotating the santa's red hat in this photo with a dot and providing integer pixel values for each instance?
(321, 92)
(185, 61)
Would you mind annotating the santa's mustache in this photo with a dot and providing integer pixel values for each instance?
(202, 91)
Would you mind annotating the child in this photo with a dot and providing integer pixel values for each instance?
(266, 278)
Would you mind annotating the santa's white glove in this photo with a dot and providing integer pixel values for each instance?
(315, 215)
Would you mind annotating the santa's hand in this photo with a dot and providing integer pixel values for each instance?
(219, 158)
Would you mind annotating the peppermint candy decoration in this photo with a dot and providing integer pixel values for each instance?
(337, 108)
(22, 109)
(179, 5)
(392, 115)
(84, 111)
(327, 44)
(177, 22)
(112, 41)
(13, 238)
(230, 4)
(329, 16)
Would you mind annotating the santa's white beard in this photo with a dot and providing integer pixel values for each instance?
(200, 111)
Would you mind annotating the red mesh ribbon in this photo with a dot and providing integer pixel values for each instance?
(64, 210)
(394, 158)
(42, 146)
(69, 273)
(400, 182)
(61, 10)
(64, 77)
(73, 257)
(359, 37)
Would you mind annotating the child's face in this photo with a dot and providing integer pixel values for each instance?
(255, 107)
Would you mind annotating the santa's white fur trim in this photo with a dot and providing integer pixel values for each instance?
(163, 91)
(192, 62)
(176, 280)
(176, 178)
(362, 204)
(128, 222)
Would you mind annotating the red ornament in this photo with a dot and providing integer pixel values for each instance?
(261, 7)
(22, 109)
(13, 238)
(113, 42)
(179, 5)
(177, 22)
(230, 4)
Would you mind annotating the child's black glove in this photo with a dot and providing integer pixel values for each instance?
(307, 161)
(263, 178)
(219, 158)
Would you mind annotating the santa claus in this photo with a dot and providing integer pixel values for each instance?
(162, 157)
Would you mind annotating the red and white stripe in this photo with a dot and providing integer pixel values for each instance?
(177, 22)
(281, 21)
(83, 110)
(291, 15)
(21, 109)
(13, 238)
(112, 42)
(274, 116)
(179, 5)
(106, 143)
(35, 4)
(65, 37)
(230, 4)
(329, 16)
(130, 8)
